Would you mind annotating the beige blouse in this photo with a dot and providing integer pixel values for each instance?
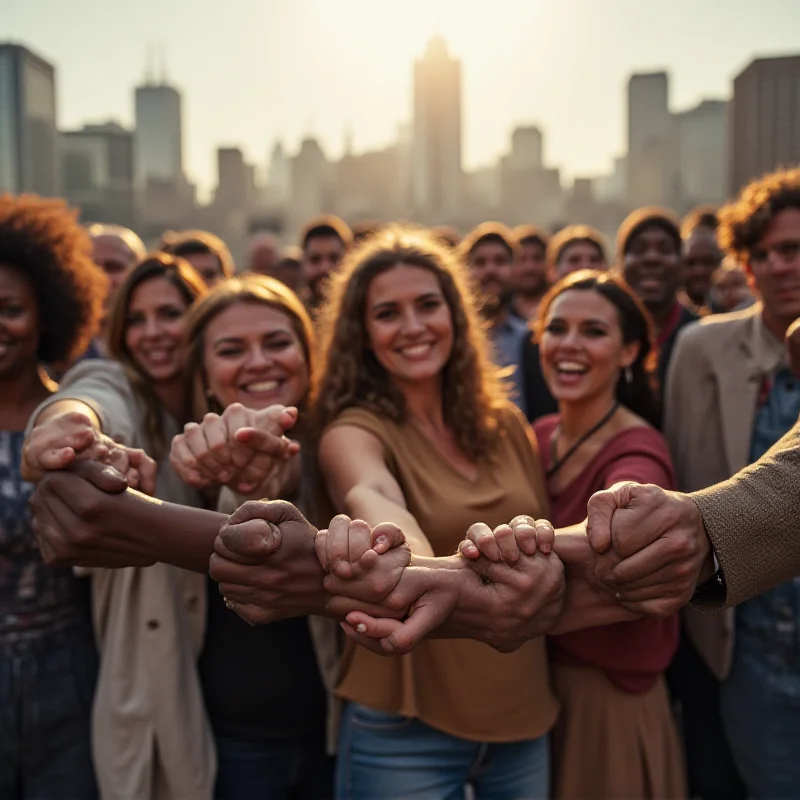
(150, 736)
(459, 686)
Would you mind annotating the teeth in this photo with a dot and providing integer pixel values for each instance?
(262, 386)
(570, 366)
(416, 350)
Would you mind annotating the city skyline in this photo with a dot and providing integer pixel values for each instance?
(576, 94)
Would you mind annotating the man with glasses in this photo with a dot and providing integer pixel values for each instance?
(730, 396)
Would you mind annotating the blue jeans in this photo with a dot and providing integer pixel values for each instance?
(278, 769)
(47, 686)
(761, 699)
(385, 756)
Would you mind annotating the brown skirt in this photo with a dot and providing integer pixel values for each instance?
(613, 745)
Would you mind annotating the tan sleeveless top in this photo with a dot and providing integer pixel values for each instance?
(459, 686)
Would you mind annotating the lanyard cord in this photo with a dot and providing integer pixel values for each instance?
(556, 465)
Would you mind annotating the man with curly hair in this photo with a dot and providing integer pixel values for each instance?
(730, 396)
(51, 300)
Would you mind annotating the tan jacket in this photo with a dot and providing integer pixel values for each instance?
(753, 521)
(715, 378)
(150, 734)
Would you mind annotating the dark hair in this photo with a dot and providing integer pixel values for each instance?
(349, 375)
(494, 232)
(182, 275)
(572, 234)
(326, 227)
(43, 241)
(643, 219)
(637, 326)
(447, 235)
(743, 222)
(530, 234)
(195, 242)
(700, 217)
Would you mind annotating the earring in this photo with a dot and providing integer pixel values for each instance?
(628, 375)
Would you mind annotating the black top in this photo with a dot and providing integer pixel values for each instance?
(538, 400)
(665, 353)
(259, 682)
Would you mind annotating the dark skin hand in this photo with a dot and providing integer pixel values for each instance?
(86, 516)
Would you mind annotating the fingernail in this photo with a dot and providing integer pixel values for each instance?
(381, 541)
(387, 646)
(361, 628)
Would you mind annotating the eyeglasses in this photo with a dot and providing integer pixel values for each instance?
(783, 253)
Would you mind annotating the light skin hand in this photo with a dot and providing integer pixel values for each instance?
(242, 448)
(652, 547)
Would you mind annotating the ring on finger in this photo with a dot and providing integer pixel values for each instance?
(229, 604)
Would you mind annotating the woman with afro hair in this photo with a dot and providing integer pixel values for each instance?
(51, 297)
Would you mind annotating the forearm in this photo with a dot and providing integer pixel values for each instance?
(61, 407)
(173, 534)
(374, 508)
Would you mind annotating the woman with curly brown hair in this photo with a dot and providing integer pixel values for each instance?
(417, 431)
(148, 618)
(51, 297)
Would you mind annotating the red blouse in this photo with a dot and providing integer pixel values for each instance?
(632, 654)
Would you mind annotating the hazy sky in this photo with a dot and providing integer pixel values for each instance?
(253, 71)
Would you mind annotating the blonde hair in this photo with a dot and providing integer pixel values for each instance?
(248, 288)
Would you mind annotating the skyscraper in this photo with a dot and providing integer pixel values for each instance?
(702, 142)
(765, 119)
(97, 172)
(437, 181)
(28, 129)
(651, 157)
(158, 141)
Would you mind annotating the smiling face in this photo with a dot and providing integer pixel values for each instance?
(701, 258)
(774, 265)
(252, 355)
(652, 267)
(582, 349)
(19, 322)
(154, 326)
(408, 324)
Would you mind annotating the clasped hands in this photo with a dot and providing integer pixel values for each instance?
(645, 552)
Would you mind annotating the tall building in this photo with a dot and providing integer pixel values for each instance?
(310, 180)
(231, 179)
(526, 147)
(159, 133)
(278, 177)
(651, 157)
(28, 125)
(702, 150)
(437, 179)
(97, 173)
(765, 119)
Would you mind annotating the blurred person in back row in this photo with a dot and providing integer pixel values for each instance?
(649, 251)
(263, 253)
(207, 253)
(491, 251)
(701, 258)
(730, 290)
(116, 250)
(530, 275)
(51, 302)
(324, 242)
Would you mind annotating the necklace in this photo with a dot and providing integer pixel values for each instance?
(556, 463)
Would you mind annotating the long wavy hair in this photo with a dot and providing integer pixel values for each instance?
(190, 286)
(640, 394)
(248, 288)
(349, 373)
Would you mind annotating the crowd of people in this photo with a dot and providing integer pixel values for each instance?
(417, 612)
